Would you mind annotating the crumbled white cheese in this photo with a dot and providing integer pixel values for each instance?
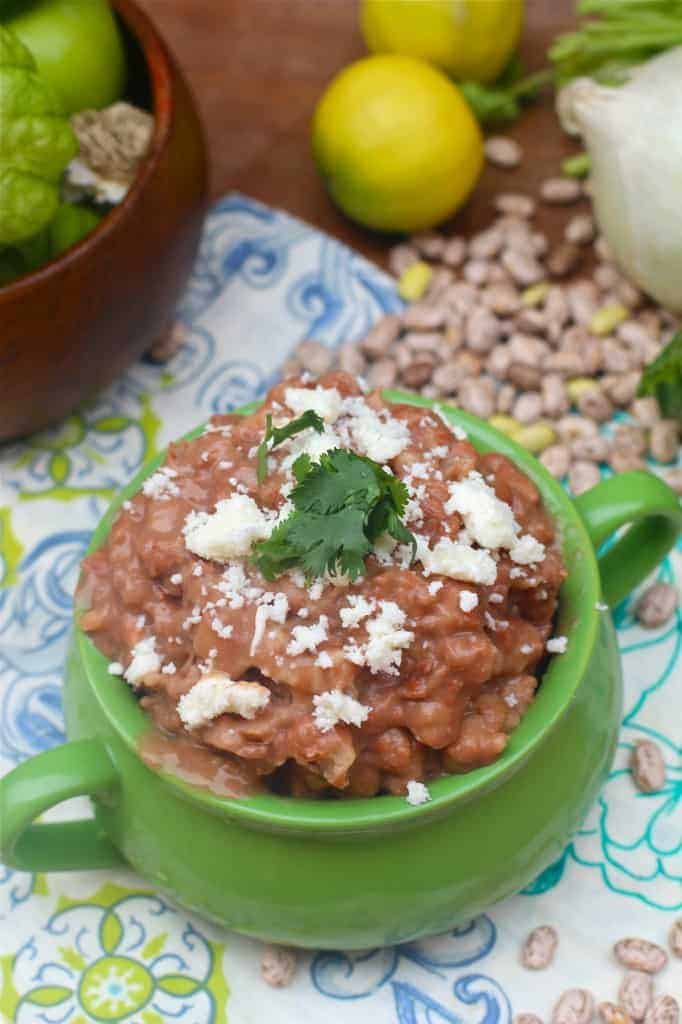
(515, 573)
(176, 578)
(161, 485)
(601, 607)
(496, 598)
(458, 561)
(145, 660)
(378, 435)
(326, 402)
(224, 464)
(127, 505)
(115, 668)
(316, 590)
(140, 621)
(417, 793)
(220, 628)
(526, 648)
(490, 521)
(308, 638)
(236, 587)
(511, 700)
(527, 550)
(387, 640)
(205, 456)
(384, 546)
(434, 587)
(310, 443)
(358, 608)
(230, 531)
(324, 660)
(198, 570)
(217, 694)
(557, 645)
(333, 706)
(468, 600)
(169, 669)
(271, 608)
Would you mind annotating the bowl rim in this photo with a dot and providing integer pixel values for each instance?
(578, 617)
(159, 64)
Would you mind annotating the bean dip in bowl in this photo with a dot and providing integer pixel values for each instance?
(343, 673)
(323, 686)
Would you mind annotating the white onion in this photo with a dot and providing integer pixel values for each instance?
(633, 134)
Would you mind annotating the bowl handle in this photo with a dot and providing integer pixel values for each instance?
(655, 514)
(72, 769)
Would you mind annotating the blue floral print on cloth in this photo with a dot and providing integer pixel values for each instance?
(99, 946)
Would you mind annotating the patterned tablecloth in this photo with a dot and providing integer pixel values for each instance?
(100, 946)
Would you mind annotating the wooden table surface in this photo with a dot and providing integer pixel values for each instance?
(257, 68)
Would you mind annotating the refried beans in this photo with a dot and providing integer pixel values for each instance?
(419, 668)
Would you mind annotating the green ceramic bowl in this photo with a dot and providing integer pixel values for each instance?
(359, 873)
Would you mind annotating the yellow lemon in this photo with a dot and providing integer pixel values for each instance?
(470, 39)
(396, 143)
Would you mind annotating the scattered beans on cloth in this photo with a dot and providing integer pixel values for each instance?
(278, 966)
(539, 948)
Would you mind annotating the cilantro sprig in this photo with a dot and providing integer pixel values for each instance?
(342, 505)
(275, 435)
(663, 379)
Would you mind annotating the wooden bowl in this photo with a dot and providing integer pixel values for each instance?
(70, 327)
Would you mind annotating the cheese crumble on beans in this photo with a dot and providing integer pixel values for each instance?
(417, 669)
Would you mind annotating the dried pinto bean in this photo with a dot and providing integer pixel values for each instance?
(382, 374)
(563, 259)
(575, 1006)
(503, 151)
(635, 994)
(314, 356)
(351, 360)
(454, 252)
(515, 204)
(664, 440)
(557, 460)
(612, 1014)
(640, 954)
(478, 397)
(526, 1018)
(675, 938)
(539, 948)
(424, 316)
(400, 258)
(623, 460)
(663, 1010)
(381, 337)
(278, 966)
(560, 190)
(582, 476)
(648, 774)
(502, 299)
(527, 407)
(429, 244)
(656, 605)
(594, 449)
(522, 265)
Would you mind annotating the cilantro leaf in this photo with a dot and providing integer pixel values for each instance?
(342, 505)
(331, 543)
(340, 478)
(278, 434)
(663, 378)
